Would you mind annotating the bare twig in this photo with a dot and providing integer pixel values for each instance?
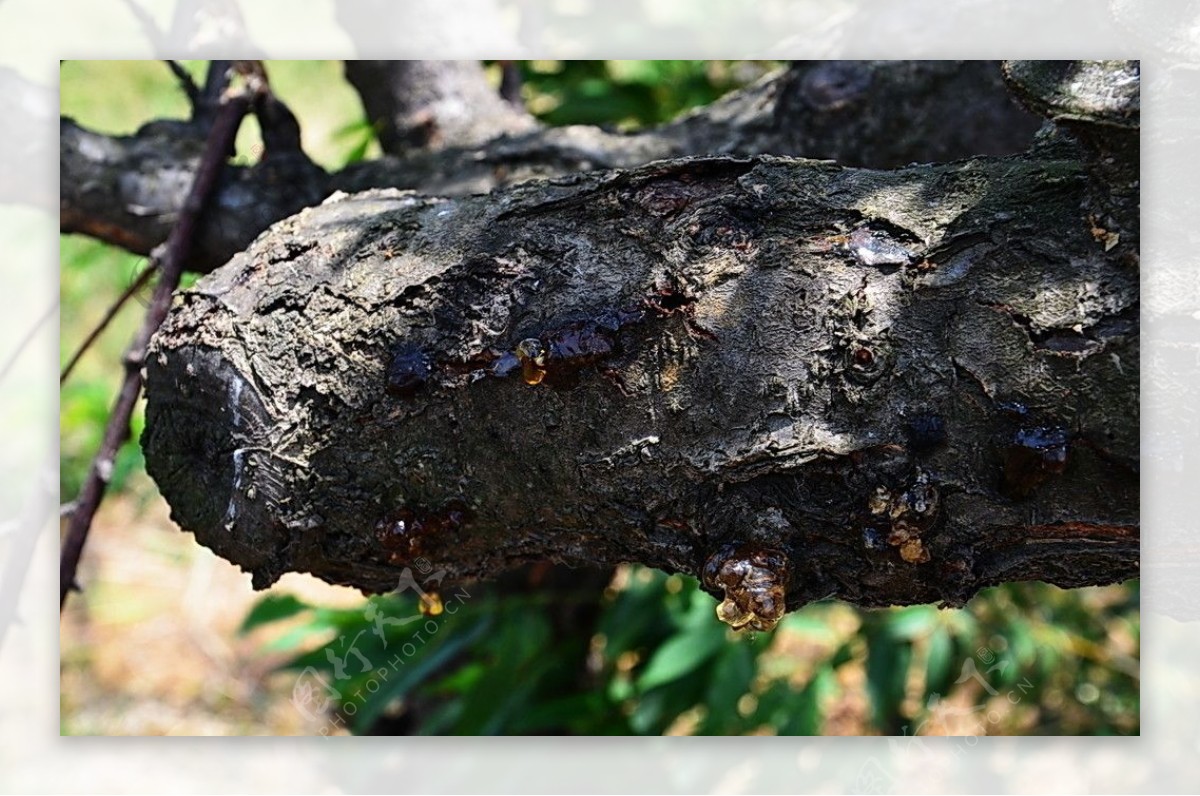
(215, 81)
(185, 81)
(174, 256)
(133, 288)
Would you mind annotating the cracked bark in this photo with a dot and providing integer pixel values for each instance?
(128, 190)
(887, 387)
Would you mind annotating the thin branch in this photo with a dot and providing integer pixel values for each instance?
(216, 79)
(208, 103)
(185, 82)
(133, 288)
(228, 119)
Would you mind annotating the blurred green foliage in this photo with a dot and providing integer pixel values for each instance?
(629, 94)
(1023, 658)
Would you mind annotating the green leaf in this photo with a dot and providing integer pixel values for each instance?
(442, 718)
(636, 618)
(772, 704)
(699, 612)
(658, 709)
(647, 716)
(576, 712)
(358, 137)
(730, 680)
(429, 659)
(521, 659)
(804, 716)
(843, 655)
(1021, 643)
(888, 661)
(272, 608)
(808, 624)
(680, 655)
(939, 664)
(460, 681)
(912, 622)
(620, 688)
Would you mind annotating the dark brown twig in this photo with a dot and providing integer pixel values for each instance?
(174, 255)
(185, 81)
(209, 101)
(134, 287)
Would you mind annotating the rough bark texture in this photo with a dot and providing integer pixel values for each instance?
(129, 190)
(795, 379)
(880, 114)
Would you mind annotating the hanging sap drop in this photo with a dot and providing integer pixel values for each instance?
(431, 604)
(532, 356)
(754, 581)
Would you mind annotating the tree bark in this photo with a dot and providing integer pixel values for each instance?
(433, 104)
(795, 379)
(128, 190)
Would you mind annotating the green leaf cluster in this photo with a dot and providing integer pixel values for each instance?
(657, 661)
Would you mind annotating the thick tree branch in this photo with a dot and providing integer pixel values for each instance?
(433, 104)
(127, 190)
(794, 379)
(186, 84)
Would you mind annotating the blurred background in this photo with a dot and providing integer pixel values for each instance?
(168, 639)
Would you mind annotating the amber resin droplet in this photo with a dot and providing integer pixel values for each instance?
(754, 580)
(431, 604)
(1035, 455)
(532, 356)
